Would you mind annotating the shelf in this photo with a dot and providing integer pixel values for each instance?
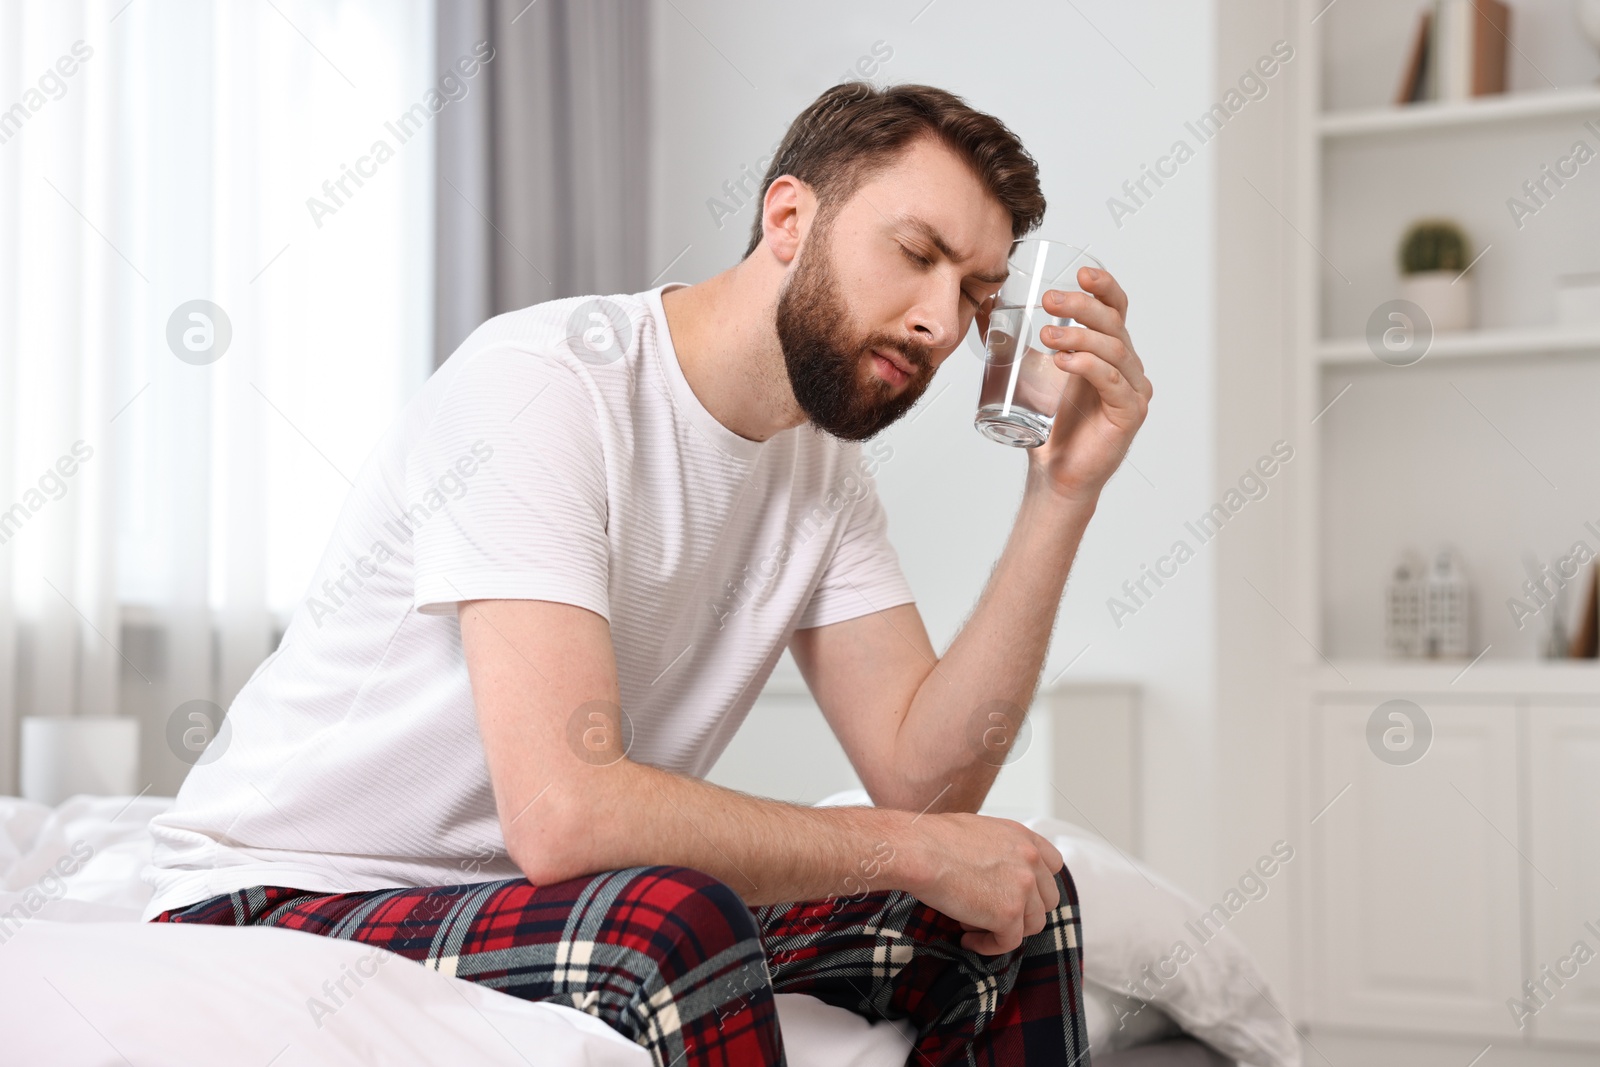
(1483, 111)
(1473, 345)
(1487, 676)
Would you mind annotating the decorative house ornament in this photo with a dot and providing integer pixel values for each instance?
(1444, 626)
(1403, 618)
(1427, 608)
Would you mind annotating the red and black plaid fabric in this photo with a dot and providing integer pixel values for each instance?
(674, 960)
(886, 955)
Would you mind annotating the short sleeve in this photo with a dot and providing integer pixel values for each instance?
(863, 575)
(507, 488)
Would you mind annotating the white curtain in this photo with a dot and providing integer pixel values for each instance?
(170, 174)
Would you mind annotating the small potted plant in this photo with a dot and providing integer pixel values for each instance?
(1433, 259)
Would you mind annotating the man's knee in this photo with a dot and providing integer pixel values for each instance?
(699, 904)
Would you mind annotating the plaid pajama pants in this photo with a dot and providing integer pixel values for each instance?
(673, 959)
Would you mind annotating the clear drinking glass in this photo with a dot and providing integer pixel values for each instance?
(1021, 383)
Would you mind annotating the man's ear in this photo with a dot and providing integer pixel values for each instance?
(788, 202)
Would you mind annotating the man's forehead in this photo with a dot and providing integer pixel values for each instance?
(918, 191)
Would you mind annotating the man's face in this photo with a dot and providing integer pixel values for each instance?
(873, 305)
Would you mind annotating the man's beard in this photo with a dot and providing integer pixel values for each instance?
(824, 361)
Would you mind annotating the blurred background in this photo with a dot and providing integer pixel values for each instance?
(1361, 240)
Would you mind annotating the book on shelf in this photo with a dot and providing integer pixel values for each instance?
(1586, 638)
(1413, 85)
(1458, 51)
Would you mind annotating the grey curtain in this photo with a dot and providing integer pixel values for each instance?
(543, 167)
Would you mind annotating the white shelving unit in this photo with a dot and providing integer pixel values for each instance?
(1579, 679)
(1489, 344)
(1432, 883)
(1485, 111)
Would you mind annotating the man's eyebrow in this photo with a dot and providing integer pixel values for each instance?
(925, 228)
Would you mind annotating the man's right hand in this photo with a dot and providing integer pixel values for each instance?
(994, 876)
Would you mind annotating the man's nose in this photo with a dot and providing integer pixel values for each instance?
(935, 329)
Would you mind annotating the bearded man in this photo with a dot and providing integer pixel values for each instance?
(568, 569)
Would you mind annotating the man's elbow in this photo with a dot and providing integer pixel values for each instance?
(553, 849)
(543, 866)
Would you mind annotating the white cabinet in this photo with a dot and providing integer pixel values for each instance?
(1415, 912)
(1564, 877)
(1434, 890)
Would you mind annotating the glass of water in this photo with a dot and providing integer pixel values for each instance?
(1021, 383)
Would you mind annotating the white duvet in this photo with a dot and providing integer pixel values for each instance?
(83, 983)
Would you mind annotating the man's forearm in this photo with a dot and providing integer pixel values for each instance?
(951, 744)
(629, 814)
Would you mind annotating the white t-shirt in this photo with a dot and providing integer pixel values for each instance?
(545, 460)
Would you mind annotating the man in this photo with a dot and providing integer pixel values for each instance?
(565, 575)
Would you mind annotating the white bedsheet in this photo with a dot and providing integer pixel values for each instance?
(91, 985)
(82, 982)
(105, 993)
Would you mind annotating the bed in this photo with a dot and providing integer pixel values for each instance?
(85, 984)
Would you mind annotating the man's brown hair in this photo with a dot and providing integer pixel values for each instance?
(855, 129)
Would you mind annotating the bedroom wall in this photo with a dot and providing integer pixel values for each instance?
(1097, 90)
(1253, 258)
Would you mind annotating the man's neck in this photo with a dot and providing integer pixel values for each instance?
(722, 330)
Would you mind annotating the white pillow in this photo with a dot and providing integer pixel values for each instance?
(1115, 1021)
(1133, 919)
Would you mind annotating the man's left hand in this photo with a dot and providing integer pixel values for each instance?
(1106, 396)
